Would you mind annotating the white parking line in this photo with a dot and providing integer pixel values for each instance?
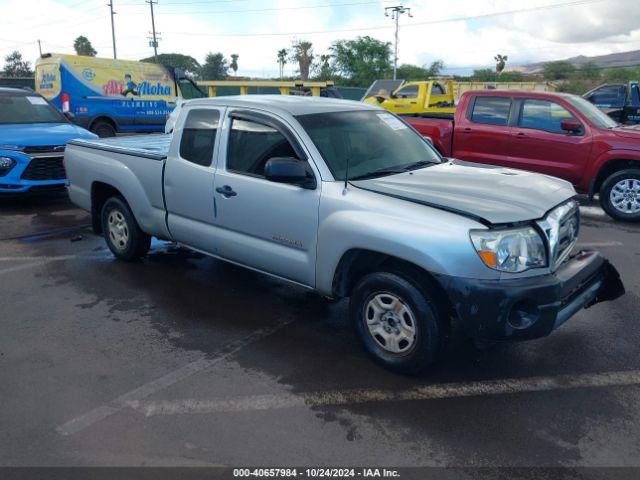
(24, 266)
(353, 397)
(599, 244)
(36, 261)
(593, 211)
(100, 413)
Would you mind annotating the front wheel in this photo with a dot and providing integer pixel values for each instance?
(121, 231)
(620, 195)
(400, 325)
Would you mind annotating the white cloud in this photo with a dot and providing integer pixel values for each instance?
(588, 28)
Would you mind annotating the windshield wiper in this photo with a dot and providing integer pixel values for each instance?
(378, 173)
(394, 170)
(417, 165)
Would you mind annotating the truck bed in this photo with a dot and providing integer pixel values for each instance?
(152, 146)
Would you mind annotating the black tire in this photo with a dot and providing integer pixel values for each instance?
(136, 244)
(428, 315)
(103, 129)
(607, 204)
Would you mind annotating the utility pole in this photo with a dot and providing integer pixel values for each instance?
(154, 39)
(113, 29)
(39, 47)
(394, 13)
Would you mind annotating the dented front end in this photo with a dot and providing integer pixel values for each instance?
(531, 307)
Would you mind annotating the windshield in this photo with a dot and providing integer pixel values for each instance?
(593, 113)
(28, 109)
(373, 142)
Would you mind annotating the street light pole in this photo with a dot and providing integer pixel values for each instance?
(394, 13)
(113, 29)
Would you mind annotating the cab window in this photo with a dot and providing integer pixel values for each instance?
(609, 96)
(252, 144)
(543, 115)
(491, 110)
(408, 92)
(199, 136)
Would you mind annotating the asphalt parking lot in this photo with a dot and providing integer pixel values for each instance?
(185, 360)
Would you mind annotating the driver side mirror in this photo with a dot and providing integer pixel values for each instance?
(290, 170)
(571, 125)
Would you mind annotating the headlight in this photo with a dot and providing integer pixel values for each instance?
(510, 250)
(6, 164)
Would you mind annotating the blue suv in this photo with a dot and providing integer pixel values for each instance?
(33, 135)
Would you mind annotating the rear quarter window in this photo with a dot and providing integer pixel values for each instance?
(491, 110)
(199, 136)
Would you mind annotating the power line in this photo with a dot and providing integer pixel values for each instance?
(386, 27)
(265, 10)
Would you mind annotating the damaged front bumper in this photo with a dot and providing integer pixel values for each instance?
(532, 307)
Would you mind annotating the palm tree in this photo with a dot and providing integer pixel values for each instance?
(282, 59)
(501, 61)
(234, 63)
(303, 54)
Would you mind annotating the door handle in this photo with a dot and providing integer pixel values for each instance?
(467, 130)
(521, 135)
(226, 191)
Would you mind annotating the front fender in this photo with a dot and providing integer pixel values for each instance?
(432, 239)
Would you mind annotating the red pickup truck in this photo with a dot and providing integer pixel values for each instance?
(553, 133)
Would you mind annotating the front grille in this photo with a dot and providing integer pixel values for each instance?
(45, 168)
(51, 149)
(561, 227)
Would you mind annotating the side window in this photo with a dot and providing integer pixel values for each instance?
(408, 92)
(199, 136)
(491, 110)
(543, 115)
(437, 89)
(251, 144)
(609, 96)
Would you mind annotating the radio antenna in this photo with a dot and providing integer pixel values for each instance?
(346, 173)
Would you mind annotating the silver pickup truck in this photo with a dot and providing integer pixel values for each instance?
(348, 200)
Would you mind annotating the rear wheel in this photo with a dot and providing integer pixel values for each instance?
(620, 195)
(400, 325)
(121, 231)
(103, 129)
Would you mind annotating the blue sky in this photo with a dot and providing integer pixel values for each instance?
(465, 34)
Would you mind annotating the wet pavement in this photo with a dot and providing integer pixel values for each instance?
(181, 359)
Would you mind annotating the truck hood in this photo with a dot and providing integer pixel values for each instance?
(631, 131)
(488, 193)
(16, 136)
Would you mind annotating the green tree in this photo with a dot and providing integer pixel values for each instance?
(484, 75)
(186, 63)
(234, 63)
(15, 67)
(414, 72)
(435, 68)
(501, 62)
(302, 52)
(560, 70)
(589, 71)
(324, 70)
(620, 74)
(215, 67)
(488, 75)
(83, 46)
(362, 61)
(282, 60)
